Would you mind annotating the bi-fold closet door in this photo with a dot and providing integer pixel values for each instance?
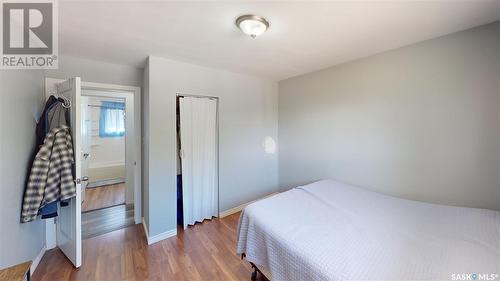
(199, 158)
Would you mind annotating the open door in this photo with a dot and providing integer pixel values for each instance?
(69, 232)
(85, 141)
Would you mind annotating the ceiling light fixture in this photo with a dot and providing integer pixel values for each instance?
(252, 25)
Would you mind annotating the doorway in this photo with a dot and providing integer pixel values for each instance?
(66, 231)
(107, 197)
(197, 159)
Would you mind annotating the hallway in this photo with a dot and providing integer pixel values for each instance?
(103, 197)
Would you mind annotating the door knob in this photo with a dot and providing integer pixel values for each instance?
(85, 179)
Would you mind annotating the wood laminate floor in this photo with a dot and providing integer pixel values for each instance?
(206, 251)
(105, 220)
(103, 196)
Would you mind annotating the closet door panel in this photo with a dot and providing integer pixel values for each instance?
(198, 128)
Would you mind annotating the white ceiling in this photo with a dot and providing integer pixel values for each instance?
(303, 36)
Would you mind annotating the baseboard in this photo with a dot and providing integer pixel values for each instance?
(173, 232)
(106, 164)
(239, 208)
(158, 237)
(162, 236)
(105, 182)
(37, 260)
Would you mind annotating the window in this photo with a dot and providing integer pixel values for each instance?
(112, 119)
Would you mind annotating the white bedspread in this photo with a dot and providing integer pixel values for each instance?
(333, 231)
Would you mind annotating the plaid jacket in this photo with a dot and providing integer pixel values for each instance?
(51, 176)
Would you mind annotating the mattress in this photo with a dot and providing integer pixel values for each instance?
(330, 230)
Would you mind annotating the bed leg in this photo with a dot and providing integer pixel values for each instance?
(254, 275)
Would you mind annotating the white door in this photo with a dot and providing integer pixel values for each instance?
(198, 130)
(85, 153)
(69, 233)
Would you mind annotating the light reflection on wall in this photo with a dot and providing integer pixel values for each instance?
(269, 145)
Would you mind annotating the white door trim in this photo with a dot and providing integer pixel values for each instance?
(136, 94)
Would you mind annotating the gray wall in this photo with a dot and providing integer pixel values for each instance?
(22, 101)
(498, 90)
(247, 114)
(419, 122)
(97, 71)
(145, 146)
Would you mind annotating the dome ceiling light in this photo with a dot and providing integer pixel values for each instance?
(252, 25)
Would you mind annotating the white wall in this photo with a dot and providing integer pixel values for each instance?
(419, 122)
(247, 114)
(22, 101)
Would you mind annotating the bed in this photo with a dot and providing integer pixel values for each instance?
(330, 230)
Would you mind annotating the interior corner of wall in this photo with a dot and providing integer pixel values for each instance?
(145, 224)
